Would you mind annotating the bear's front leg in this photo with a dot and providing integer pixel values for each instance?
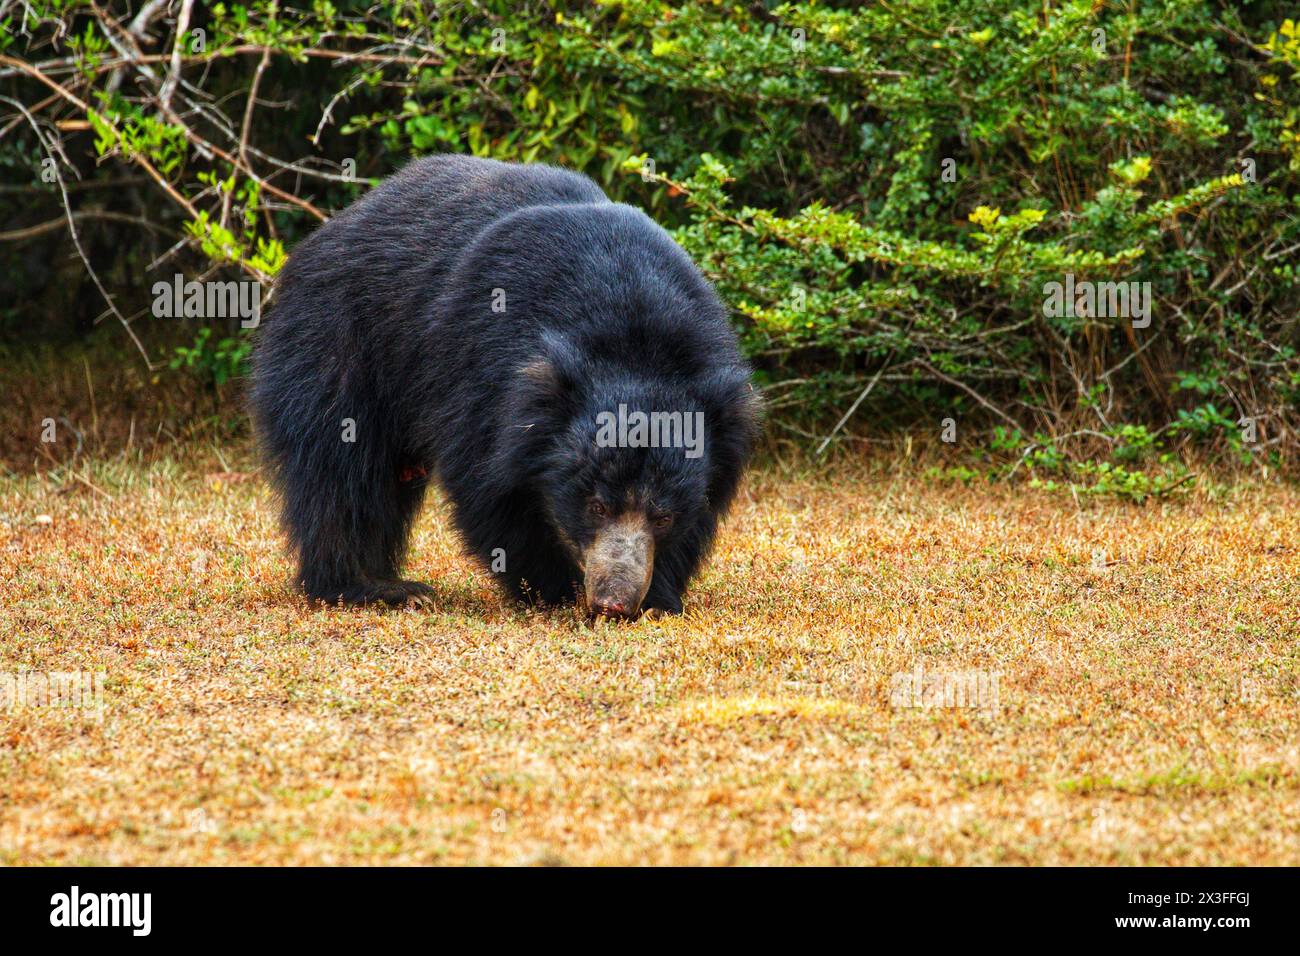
(394, 593)
(662, 598)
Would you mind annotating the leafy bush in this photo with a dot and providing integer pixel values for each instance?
(883, 194)
(215, 363)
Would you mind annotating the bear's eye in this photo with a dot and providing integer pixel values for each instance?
(598, 509)
(664, 522)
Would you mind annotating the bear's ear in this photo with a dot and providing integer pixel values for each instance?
(549, 385)
(733, 415)
(541, 397)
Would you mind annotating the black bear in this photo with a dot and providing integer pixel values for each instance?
(552, 358)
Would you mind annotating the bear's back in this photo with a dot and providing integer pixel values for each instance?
(598, 272)
(385, 252)
(353, 298)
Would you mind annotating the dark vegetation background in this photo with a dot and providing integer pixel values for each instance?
(799, 152)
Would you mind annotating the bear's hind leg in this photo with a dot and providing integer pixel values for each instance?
(394, 533)
(351, 543)
(394, 593)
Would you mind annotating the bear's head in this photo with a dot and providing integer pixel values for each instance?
(633, 473)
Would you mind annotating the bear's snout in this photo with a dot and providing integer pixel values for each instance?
(618, 565)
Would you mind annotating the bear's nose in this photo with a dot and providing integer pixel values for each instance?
(610, 607)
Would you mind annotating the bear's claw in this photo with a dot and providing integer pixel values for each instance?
(392, 593)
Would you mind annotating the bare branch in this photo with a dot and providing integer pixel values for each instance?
(178, 48)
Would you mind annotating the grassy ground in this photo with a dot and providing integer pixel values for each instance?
(1138, 666)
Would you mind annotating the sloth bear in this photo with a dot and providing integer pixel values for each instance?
(552, 358)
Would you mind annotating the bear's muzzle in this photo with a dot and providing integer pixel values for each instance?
(618, 566)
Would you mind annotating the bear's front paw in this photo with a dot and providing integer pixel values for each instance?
(659, 612)
(417, 594)
(372, 592)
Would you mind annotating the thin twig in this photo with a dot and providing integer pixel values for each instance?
(52, 149)
(248, 122)
(178, 48)
(31, 232)
(854, 407)
(969, 391)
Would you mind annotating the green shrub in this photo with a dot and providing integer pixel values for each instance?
(875, 189)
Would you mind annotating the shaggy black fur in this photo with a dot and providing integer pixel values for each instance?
(390, 316)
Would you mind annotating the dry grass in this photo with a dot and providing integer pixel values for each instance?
(1147, 706)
